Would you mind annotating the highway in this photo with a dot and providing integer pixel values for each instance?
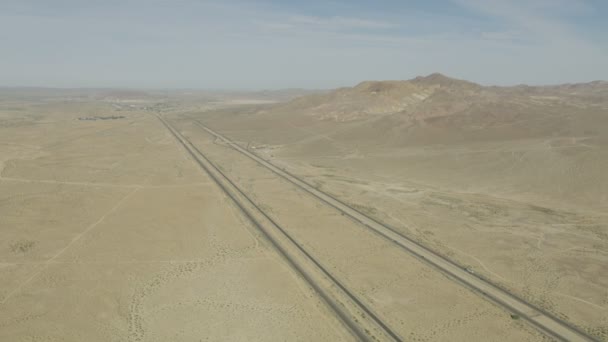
(544, 321)
(356, 316)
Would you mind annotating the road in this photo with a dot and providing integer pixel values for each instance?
(537, 317)
(361, 321)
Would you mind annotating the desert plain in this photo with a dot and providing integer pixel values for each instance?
(112, 229)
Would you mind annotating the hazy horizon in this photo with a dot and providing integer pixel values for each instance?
(238, 45)
(253, 89)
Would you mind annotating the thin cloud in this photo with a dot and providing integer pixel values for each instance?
(340, 23)
(507, 35)
(242, 44)
(534, 18)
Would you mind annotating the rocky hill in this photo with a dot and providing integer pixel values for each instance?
(437, 95)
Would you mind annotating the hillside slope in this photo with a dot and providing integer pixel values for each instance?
(529, 143)
(511, 182)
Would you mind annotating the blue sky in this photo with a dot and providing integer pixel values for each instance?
(236, 44)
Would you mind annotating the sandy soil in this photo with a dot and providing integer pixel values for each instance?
(553, 258)
(528, 214)
(111, 233)
(416, 301)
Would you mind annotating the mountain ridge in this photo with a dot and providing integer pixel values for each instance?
(446, 95)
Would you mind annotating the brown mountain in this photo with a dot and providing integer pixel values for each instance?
(533, 142)
(437, 95)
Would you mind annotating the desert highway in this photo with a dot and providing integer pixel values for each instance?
(544, 321)
(358, 318)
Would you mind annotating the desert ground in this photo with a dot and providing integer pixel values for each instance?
(511, 183)
(110, 233)
(122, 218)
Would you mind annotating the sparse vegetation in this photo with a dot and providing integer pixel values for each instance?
(22, 247)
(102, 118)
